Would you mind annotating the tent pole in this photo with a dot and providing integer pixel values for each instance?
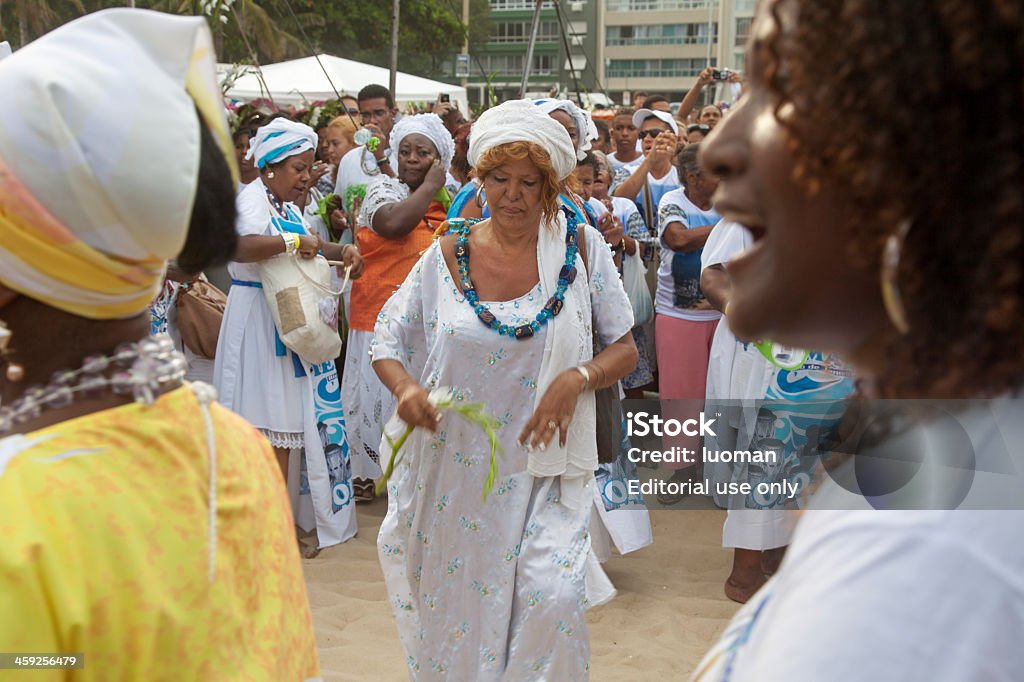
(465, 42)
(394, 47)
(529, 48)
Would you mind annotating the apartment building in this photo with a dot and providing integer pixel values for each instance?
(611, 46)
(659, 46)
(563, 63)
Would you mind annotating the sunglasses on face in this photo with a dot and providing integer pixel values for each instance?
(653, 133)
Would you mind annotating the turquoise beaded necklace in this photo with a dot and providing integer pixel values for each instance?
(566, 276)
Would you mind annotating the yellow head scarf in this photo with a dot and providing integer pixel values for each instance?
(99, 156)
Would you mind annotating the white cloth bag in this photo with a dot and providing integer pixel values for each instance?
(303, 305)
(634, 281)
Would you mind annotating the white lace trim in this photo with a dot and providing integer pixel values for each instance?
(381, 193)
(281, 439)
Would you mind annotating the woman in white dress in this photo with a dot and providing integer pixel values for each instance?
(397, 220)
(495, 589)
(255, 375)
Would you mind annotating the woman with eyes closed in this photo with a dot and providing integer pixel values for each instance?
(396, 225)
(501, 312)
(904, 258)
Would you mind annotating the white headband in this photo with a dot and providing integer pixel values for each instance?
(520, 121)
(585, 128)
(431, 127)
(280, 139)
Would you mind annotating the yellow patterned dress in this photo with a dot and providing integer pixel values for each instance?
(106, 550)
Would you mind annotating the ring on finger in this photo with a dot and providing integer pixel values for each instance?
(552, 424)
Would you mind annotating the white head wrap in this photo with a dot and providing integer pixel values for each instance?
(591, 133)
(87, 107)
(519, 120)
(586, 131)
(280, 139)
(430, 126)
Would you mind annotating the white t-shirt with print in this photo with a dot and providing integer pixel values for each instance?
(675, 298)
(622, 171)
(616, 164)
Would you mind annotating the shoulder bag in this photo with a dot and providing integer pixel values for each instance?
(607, 404)
(200, 309)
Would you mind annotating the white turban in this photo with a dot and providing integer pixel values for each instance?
(430, 126)
(280, 139)
(84, 225)
(519, 120)
(585, 128)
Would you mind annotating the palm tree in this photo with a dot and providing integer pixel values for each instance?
(36, 17)
(260, 26)
(254, 31)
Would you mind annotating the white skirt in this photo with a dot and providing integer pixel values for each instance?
(368, 405)
(251, 379)
(758, 529)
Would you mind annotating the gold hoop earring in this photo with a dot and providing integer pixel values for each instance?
(481, 198)
(890, 277)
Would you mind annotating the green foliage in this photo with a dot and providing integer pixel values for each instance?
(266, 31)
(430, 33)
(450, 400)
(22, 21)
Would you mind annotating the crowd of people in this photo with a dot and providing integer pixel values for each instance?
(389, 274)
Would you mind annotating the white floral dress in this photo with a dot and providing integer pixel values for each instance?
(485, 590)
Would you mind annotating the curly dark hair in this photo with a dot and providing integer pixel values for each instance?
(939, 64)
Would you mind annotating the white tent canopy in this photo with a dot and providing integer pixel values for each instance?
(300, 81)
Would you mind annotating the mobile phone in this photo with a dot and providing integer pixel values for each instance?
(445, 97)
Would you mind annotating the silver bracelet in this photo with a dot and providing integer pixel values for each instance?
(586, 377)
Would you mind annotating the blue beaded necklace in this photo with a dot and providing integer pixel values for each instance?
(566, 276)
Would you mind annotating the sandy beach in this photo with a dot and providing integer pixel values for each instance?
(668, 610)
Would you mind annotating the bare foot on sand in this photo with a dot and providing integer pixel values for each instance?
(742, 592)
(746, 577)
